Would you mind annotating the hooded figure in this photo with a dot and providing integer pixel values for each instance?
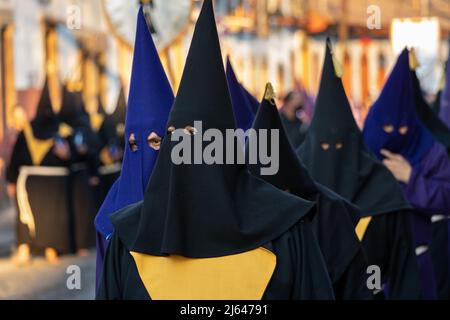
(45, 123)
(72, 110)
(210, 231)
(84, 175)
(111, 135)
(436, 105)
(395, 134)
(335, 221)
(440, 237)
(290, 117)
(84, 141)
(426, 115)
(242, 107)
(39, 162)
(150, 100)
(335, 155)
(112, 129)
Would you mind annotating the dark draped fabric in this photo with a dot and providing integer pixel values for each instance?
(335, 220)
(226, 212)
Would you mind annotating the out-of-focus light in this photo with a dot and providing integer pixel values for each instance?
(421, 33)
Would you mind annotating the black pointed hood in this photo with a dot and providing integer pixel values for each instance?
(45, 123)
(203, 85)
(72, 110)
(332, 106)
(100, 107)
(335, 219)
(200, 210)
(112, 128)
(292, 175)
(335, 154)
(426, 115)
(121, 108)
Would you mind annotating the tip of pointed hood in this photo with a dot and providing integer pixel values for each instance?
(203, 84)
(401, 66)
(332, 108)
(148, 80)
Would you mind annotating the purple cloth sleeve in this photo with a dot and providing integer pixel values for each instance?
(428, 189)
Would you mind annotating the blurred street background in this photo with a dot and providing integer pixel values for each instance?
(40, 280)
(87, 45)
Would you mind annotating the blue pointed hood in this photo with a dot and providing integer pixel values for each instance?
(242, 108)
(149, 104)
(394, 109)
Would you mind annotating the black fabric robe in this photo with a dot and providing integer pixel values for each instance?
(51, 209)
(335, 219)
(388, 244)
(84, 202)
(296, 130)
(336, 156)
(440, 236)
(207, 212)
(300, 273)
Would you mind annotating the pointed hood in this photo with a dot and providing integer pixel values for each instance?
(120, 111)
(336, 218)
(72, 110)
(334, 152)
(113, 125)
(101, 108)
(395, 109)
(200, 210)
(444, 112)
(334, 114)
(426, 115)
(242, 109)
(149, 103)
(45, 123)
(292, 174)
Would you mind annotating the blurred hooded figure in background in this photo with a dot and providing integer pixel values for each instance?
(393, 131)
(111, 134)
(335, 155)
(295, 128)
(335, 220)
(84, 178)
(439, 246)
(39, 162)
